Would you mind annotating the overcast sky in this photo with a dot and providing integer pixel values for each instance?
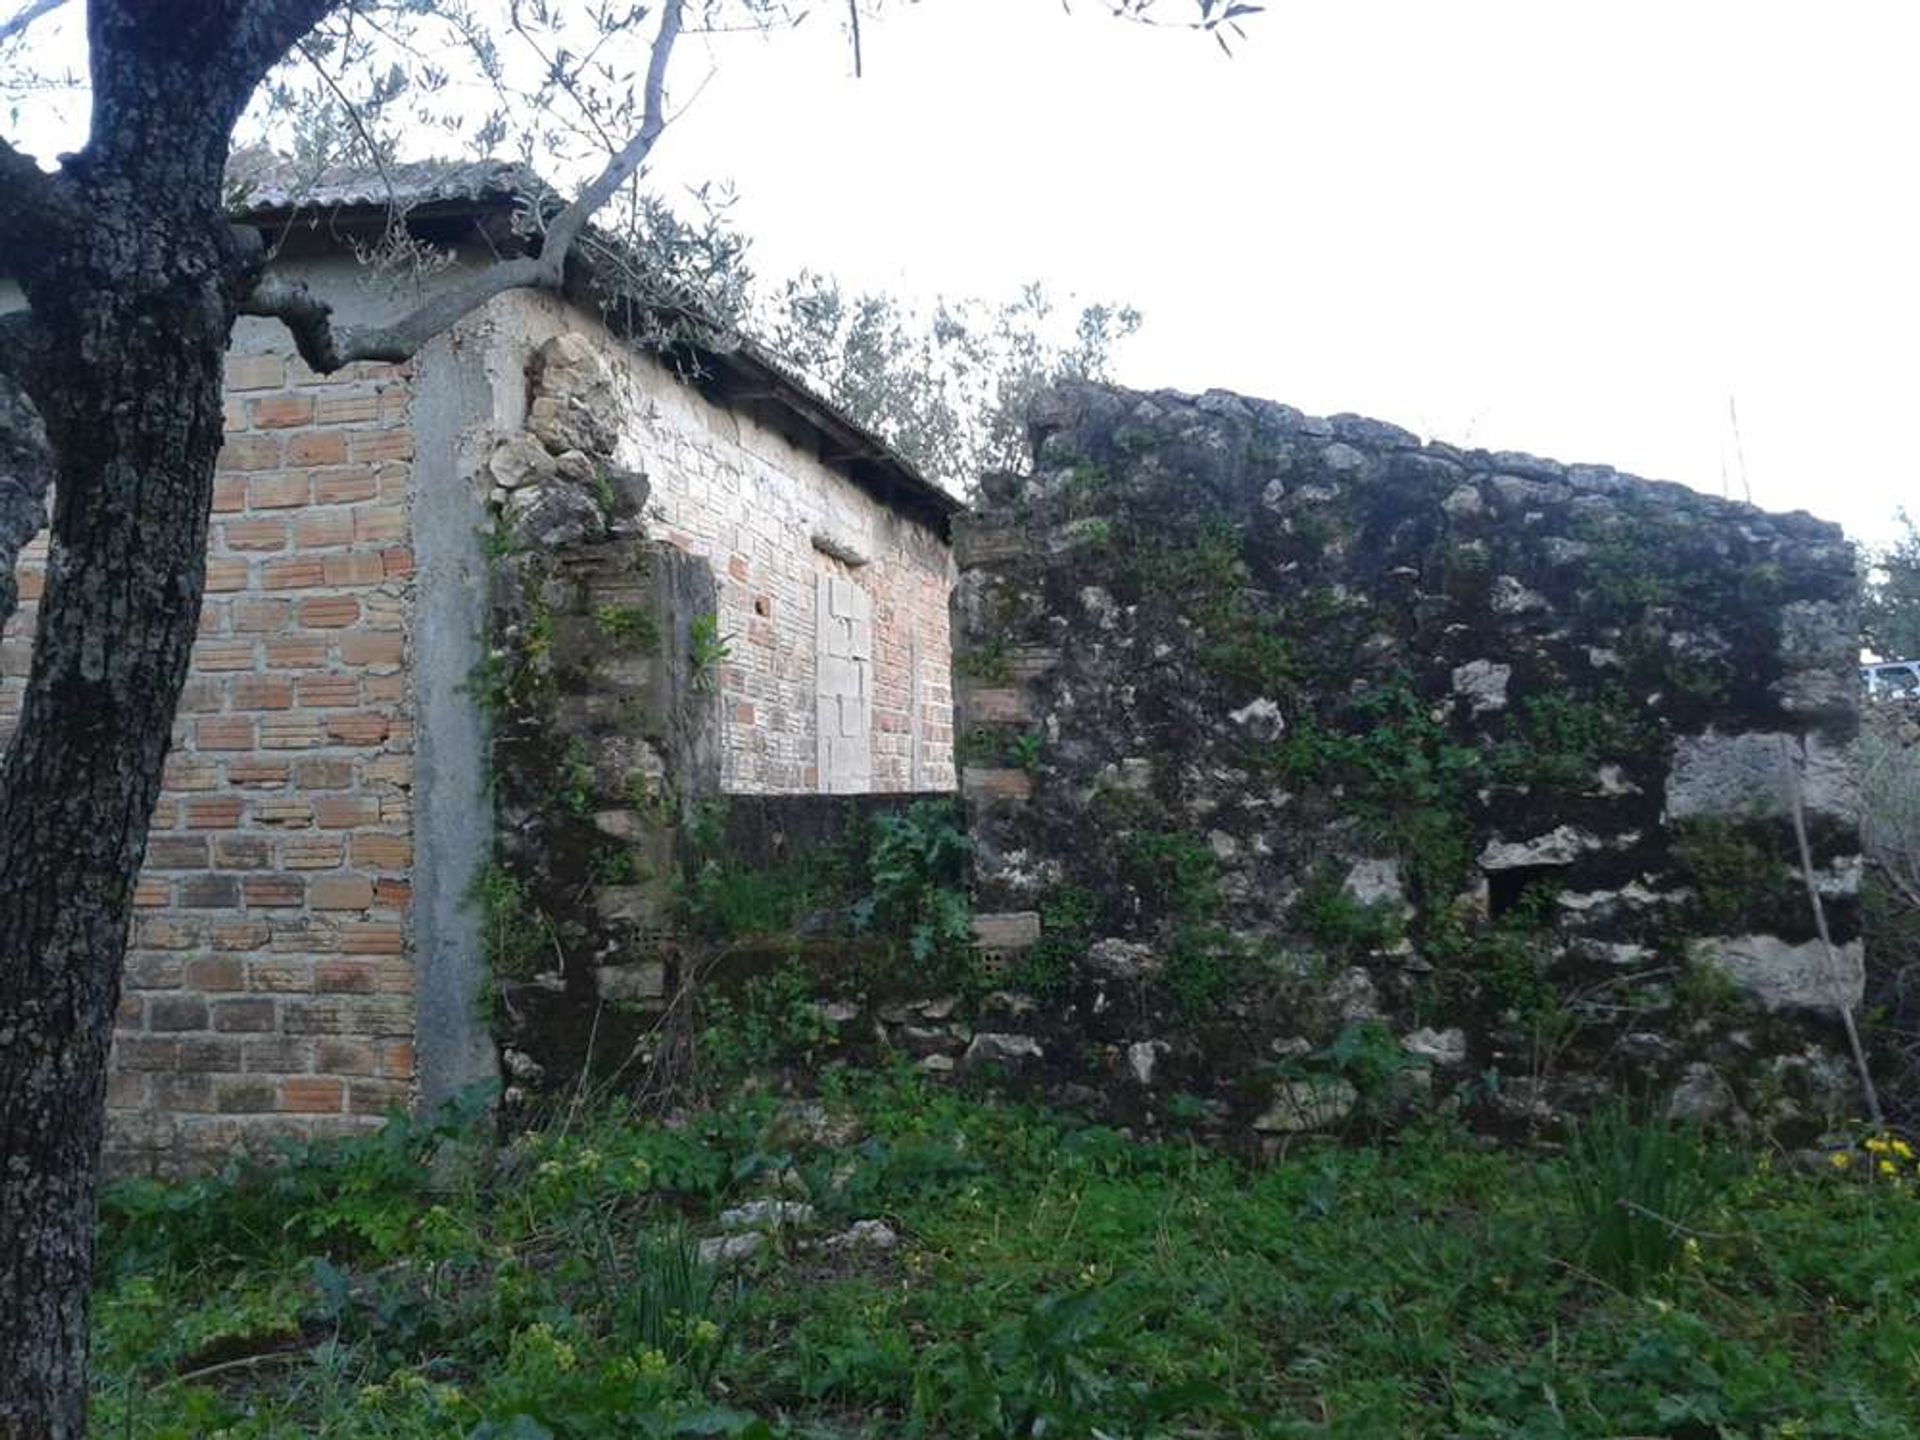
(1573, 229)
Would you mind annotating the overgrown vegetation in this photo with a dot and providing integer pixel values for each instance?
(1637, 1186)
(897, 880)
(1048, 1280)
(519, 938)
(916, 886)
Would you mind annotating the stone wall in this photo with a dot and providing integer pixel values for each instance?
(777, 522)
(1317, 773)
(268, 987)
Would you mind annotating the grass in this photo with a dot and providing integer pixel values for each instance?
(1049, 1280)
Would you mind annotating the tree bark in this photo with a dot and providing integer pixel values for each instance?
(133, 279)
(133, 287)
(131, 393)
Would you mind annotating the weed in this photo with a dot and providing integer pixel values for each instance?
(990, 663)
(1067, 919)
(1026, 752)
(576, 779)
(916, 874)
(1177, 868)
(707, 650)
(628, 626)
(519, 937)
(1735, 877)
(1048, 1279)
(612, 864)
(1205, 965)
(770, 1019)
(1328, 914)
(1635, 1186)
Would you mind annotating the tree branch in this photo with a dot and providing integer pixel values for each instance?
(35, 207)
(265, 30)
(33, 11)
(327, 348)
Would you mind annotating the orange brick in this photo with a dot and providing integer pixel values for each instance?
(262, 692)
(382, 852)
(242, 453)
(340, 892)
(280, 490)
(183, 772)
(313, 852)
(255, 534)
(360, 727)
(394, 444)
(238, 935)
(329, 691)
(297, 652)
(345, 486)
(216, 973)
(372, 938)
(329, 612)
(346, 977)
(242, 852)
(214, 655)
(229, 494)
(292, 573)
(149, 893)
(329, 527)
(372, 648)
(397, 562)
(350, 409)
(278, 412)
(295, 730)
(283, 810)
(225, 576)
(392, 894)
(375, 523)
(256, 770)
(323, 774)
(317, 447)
(345, 812)
(354, 569)
(214, 812)
(311, 1095)
(260, 615)
(280, 976)
(272, 892)
(224, 732)
(339, 1056)
(176, 852)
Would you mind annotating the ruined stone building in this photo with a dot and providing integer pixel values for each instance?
(1314, 775)
(1360, 774)
(304, 955)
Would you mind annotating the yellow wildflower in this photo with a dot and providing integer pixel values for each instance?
(1840, 1160)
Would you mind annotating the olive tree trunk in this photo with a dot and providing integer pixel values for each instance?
(133, 278)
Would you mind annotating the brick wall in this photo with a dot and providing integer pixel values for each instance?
(749, 501)
(268, 986)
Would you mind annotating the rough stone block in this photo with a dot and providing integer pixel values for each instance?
(1011, 930)
(981, 783)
